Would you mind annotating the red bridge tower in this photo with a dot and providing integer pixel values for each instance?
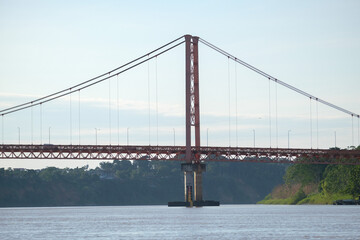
(192, 167)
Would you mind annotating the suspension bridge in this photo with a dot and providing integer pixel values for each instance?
(193, 154)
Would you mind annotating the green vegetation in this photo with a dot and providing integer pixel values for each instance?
(316, 184)
(157, 182)
(140, 182)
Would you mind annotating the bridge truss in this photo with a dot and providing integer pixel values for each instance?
(177, 153)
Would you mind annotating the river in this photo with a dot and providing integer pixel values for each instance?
(162, 222)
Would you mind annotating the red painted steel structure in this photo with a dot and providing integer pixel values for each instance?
(177, 153)
(192, 94)
(192, 167)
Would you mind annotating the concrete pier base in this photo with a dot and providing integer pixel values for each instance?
(207, 203)
(187, 168)
(199, 168)
(193, 187)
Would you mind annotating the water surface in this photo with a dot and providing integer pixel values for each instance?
(161, 222)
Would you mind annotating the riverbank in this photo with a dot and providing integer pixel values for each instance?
(299, 199)
(316, 184)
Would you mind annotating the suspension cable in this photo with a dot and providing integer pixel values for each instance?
(236, 107)
(32, 126)
(352, 130)
(70, 121)
(157, 104)
(63, 93)
(2, 129)
(358, 134)
(40, 123)
(276, 118)
(79, 120)
(270, 112)
(117, 107)
(148, 80)
(93, 79)
(109, 111)
(229, 101)
(311, 125)
(275, 79)
(317, 125)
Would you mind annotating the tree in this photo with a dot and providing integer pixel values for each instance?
(304, 173)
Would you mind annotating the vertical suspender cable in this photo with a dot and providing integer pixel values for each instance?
(358, 132)
(310, 124)
(40, 123)
(270, 111)
(317, 125)
(2, 128)
(79, 119)
(109, 110)
(32, 125)
(117, 107)
(229, 101)
(157, 105)
(276, 116)
(236, 108)
(70, 120)
(148, 71)
(352, 130)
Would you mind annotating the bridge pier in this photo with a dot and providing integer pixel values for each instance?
(193, 187)
(193, 181)
(188, 182)
(198, 170)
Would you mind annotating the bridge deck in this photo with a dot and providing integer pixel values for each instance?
(177, 153)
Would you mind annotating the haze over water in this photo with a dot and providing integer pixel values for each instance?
(161, 222)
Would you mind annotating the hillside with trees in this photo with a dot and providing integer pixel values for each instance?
(316, 184)
(134, 183)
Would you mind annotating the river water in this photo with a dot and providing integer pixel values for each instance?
(162, 222)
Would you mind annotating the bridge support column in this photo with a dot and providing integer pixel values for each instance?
(193, 186)
(193, 181)
(187, 168)
(198, 170)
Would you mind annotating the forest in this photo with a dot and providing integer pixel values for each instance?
(316, 184)
(135, 183)
(146, 182)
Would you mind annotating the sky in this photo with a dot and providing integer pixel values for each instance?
(48, 46)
